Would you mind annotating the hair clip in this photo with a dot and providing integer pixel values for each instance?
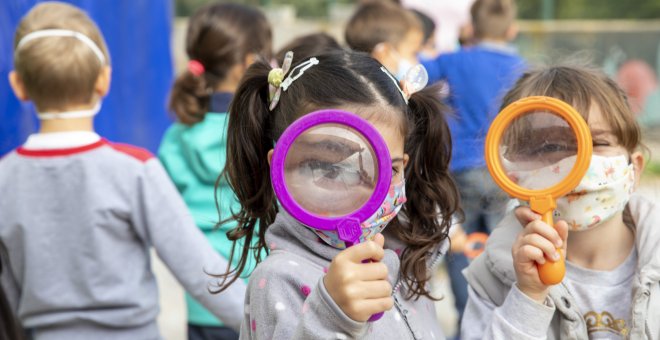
(275, 78)
(62, 33)
(196, 68)
(415, 80)
(302, 67)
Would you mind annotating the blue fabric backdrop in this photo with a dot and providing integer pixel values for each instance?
(138, 35)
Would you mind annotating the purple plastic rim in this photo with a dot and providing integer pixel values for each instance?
(303, 124)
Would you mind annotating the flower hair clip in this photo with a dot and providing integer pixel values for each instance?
(415, 80)
(275, 79)
(196, 68)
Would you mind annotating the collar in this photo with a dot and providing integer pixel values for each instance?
(60, 140)
(503, 48)
(220, 102)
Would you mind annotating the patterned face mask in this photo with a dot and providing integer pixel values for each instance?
(602, 193)
(376, 223)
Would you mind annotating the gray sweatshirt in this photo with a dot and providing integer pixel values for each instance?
(287, 299)
(79, 223)
(498, 310)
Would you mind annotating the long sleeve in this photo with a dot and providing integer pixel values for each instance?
(519, 317)
(281, 306)
(165, 222)
(8, 282)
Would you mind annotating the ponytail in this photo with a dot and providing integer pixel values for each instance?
(249, 139)
(432, 194)
(190, 98)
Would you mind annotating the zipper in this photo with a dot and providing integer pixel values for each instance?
(402, 311)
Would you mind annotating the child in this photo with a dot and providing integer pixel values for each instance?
(428, 50)
(389, 33)
(612, 283)
(477, 78)
(223, 40)
(306, 288)
(9, 326)
(79, 213)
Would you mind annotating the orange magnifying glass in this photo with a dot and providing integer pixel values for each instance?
(537, 150)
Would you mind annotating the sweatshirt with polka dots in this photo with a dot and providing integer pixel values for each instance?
(287, 299)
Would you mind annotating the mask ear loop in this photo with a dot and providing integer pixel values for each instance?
(415, 80)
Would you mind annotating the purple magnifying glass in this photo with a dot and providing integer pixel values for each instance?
(331, 170)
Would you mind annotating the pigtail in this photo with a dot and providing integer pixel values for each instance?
(247, 170)
(190, 98)
(432, 194)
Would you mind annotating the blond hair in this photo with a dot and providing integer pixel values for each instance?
(377, 22)
(58, 72)
(582, 87)
(492, 18)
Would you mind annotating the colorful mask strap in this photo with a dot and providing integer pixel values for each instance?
(62, 33)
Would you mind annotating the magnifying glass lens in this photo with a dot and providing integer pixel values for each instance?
(538, 150)
(331, 170)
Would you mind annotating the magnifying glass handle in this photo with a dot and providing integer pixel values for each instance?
(552, 272)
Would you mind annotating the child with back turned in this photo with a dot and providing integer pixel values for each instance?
(223, 40)
(311, 286)
(609, 234)
(80, 213)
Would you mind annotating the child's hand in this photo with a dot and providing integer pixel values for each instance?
(535, 242)
(360, 289)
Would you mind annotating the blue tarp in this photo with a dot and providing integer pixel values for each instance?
(138, 36)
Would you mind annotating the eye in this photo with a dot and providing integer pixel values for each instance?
(601, 143)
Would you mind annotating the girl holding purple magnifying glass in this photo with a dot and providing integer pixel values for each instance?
(323, 155)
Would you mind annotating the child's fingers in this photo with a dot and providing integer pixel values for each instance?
(373, 306)
(562, 230)
(526, 215)
(379, 239)
(529, 253)
(376, 289)
(543, 229)
(543, 244)
(363, 251)
(372, 271)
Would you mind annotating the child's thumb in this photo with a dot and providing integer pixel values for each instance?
(379, 239)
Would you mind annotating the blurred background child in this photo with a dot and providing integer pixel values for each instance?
(223, 40)
(389, 33)
(80, 213)
(477, 78)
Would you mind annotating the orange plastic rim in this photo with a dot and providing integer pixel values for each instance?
(475, 245)
(522, 107)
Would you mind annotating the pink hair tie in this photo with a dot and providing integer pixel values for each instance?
(196, 68)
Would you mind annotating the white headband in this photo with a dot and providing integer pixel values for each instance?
(62, 33)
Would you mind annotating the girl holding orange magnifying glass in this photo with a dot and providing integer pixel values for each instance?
(609, 235)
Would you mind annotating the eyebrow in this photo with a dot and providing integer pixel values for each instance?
(398, 159)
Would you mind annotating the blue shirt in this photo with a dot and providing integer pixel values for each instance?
(478, 78)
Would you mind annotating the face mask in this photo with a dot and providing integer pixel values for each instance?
(602, 193)
(376, 223)
(403, 65)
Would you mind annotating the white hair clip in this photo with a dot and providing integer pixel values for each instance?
(62, 33)
(415, 80)
(277, 85)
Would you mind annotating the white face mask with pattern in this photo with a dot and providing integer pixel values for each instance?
(602, 193)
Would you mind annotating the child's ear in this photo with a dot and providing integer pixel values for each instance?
(638, 162)
(17, 86)
(512, 32)
(406, 158)
(250, 58)
(102, 86)
(270, 157)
